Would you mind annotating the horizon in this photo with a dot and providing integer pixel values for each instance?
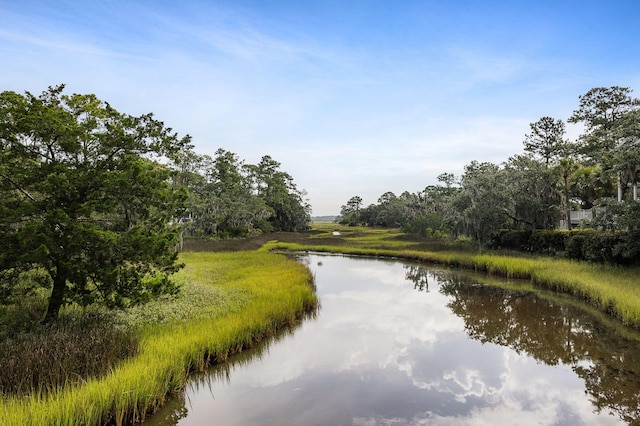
(351, 98)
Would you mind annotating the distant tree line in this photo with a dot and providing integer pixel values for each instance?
(536, 190)
(228, 198)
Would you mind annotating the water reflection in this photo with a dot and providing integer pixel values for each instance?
(177, 405)
(554, 333)
(404, 344)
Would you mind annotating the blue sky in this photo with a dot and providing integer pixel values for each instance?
(352, 97)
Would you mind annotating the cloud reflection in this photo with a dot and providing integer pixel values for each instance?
(384, 351)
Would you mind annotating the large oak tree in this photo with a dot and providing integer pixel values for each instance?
(84, 199)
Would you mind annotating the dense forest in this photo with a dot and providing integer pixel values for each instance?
(595, 175)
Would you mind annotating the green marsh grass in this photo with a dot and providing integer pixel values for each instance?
(611, 289)
(256, 294)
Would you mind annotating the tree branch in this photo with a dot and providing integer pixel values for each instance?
(17, 186)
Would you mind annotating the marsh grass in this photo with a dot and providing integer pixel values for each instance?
(255, 294)
(231, 301)
(614, 290)
(73, 350)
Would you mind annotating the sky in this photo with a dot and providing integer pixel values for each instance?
(351, 97)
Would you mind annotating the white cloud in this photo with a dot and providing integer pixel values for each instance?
(347, 110)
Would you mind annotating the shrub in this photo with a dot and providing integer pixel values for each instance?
(512, 240)
(548, 242)
(574, 246)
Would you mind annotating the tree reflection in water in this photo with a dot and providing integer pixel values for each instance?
(553, 331)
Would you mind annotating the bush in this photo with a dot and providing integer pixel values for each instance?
(621, 248)
(605, 247)
(512, 240)
(548, 242)
(574, 246)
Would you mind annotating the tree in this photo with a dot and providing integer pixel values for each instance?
(602, 110)
(350, 213)
(435, 213)
(82, 199)
(600, 107)
(588, 184)
(567, 167)
(189, 173)
(546, 139)
(532, 198)
(626, 131)
(238, 211)
(392, 211)
(290, 211)
(482, 200)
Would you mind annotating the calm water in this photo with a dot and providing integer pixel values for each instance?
(402, 344)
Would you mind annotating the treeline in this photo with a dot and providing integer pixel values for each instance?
(536, 190)
(228, 198)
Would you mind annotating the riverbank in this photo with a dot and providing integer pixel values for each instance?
(233, 301)
(611, 289)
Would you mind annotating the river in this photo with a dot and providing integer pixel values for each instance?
(398, 343)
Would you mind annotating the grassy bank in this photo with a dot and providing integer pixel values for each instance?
(231, 299)
(229, 302)
(611, 289)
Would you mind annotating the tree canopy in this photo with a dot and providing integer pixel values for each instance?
(93, 202)
(228, 198)
(84, 200)
(538, 189)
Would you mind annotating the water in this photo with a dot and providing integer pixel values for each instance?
(404, 344)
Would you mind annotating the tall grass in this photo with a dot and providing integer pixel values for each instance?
(612, 289)
(267, 292)
(51, 357)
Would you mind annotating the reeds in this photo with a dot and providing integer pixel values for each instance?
(267, 291)
(50, 357)
(611, 289)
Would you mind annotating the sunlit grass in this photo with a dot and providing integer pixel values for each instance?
(231, 300)
(611, 289)
(254, 295)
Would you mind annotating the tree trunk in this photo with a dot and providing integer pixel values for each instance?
(57, 297)
(619, 188)
(567, 205)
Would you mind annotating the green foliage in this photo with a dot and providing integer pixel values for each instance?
(548, 242)
(425, 225)
(546, 139)
(414, 213)
(509, 239)
(82, 199)
(537, 190)
(278, 191)
(350, 212)
(531, 195)
(230, 199)
(17, 285)
(483, 199)
(620, 248)
(574, 247)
